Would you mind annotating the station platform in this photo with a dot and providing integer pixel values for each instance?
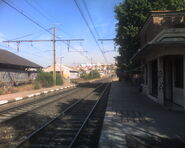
(133, 120)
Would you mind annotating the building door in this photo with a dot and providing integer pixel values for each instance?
(178, 80)
(168, 83)
(154, 78)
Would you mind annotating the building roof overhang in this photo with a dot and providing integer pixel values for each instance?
(150, 48)
(172, 38)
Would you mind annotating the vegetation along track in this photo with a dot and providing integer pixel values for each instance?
(65, 130)
(19, 127)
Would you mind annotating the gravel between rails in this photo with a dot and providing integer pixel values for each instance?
(11, 113)
(91, 131)
(61, 131)
(13, 131)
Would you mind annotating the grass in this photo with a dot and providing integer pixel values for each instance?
(14, 89)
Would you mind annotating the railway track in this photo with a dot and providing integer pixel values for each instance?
(15, 111)
(26, 118)
(20, 109)
(66, 129)
(89, 133)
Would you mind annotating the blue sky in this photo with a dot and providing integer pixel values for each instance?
(69, 25)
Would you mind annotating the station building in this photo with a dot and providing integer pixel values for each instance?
(162, 56)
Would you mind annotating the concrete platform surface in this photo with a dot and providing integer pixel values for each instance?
(133, 120)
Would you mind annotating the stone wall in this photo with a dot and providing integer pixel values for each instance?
(12, 76)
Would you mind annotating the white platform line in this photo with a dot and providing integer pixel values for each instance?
(18, 98)
(3, 101)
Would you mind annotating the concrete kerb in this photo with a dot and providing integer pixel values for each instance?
(3, 102)
(36, 95)
(18, 98)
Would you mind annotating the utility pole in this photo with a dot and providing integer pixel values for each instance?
(54, 58)
(54, 40)
(60, 58)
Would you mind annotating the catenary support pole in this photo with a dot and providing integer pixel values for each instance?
(54, 58)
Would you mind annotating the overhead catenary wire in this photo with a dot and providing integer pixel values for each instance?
(36, 9)
(27, 35)
(29, 18)
(21, 51)
(51, 18)
(86, 22)
(92, 22)
(90, 17)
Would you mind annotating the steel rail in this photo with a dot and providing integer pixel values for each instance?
(25, 142)
(88, 116)
(35, 100)
(37, 107)
(46, 97)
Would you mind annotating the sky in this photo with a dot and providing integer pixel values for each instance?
(65, 16)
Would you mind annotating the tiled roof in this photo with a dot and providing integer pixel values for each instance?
(10, 58)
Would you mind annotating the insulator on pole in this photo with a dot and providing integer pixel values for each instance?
(68, 45)
(18, 44)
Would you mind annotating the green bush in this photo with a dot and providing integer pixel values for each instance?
(83, 74)
(44, 79)
(92, 75)
(59, 80)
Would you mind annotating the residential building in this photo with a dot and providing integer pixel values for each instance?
(66, 72)
(103, 69)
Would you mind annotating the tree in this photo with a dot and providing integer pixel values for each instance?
(94, 74)
(131, 16)
(59, 79)
(45, 79)
(83, 74)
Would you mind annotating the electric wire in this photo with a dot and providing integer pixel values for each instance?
(29, 18)
(27, 35)
(86, 22)
(90, 17)
(36, 9)
(22, 13)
